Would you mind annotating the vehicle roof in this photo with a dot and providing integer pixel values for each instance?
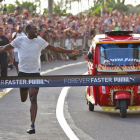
(117, 37)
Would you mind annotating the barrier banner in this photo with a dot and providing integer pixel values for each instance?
(69, 80)
(79, 42)
(89, 42)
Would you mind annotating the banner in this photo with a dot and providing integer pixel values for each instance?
(79, 42)
(69, 80)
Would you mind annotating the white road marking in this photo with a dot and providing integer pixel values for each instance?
(60, 114)
(57, 68)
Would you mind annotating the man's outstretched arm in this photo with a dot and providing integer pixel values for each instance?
(6, 48)
(61, 50)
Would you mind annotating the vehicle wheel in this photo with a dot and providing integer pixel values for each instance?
(91, 106)
(123, 108)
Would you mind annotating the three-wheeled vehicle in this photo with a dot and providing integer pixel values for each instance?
(115, 52)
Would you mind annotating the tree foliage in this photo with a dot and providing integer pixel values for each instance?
(10, 8)
(117, 5)
(45, 11)
(96, 10)
(58, 10)
(110, 5)
(31, 7)
(133, 9)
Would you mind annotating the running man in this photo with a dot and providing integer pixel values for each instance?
(29, 49)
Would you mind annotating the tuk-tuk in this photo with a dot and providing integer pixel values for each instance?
(115, 52)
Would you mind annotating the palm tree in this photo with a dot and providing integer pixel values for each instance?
(50, 7)
(88, 4)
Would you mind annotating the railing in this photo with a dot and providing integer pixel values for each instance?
(82, 43)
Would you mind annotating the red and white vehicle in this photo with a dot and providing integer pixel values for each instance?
(115, 52)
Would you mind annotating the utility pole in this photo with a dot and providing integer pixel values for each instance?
(50, 8)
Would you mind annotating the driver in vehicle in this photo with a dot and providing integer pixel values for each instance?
(89, 56)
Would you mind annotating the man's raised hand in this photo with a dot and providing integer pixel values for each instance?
(75, 51)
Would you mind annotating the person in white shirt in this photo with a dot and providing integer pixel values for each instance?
(29, 49)
(15, 35)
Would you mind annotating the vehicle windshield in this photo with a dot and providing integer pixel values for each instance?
(127, 54)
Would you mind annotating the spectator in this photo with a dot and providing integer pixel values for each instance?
(15, 35)
(3, 56)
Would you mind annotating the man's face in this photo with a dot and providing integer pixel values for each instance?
(33, 31)
(1, 32)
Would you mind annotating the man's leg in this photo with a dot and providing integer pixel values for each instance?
(33, 110)
(24, 94)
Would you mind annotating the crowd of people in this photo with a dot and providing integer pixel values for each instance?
(59, 27)
(70, 26)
